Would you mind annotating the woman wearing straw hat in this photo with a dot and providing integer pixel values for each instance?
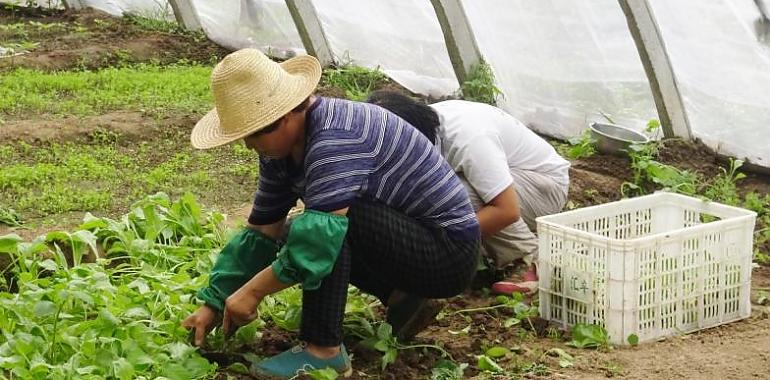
(384, 211)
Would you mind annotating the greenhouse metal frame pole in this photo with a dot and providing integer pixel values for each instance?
(657, 65)
(185, 14)
(458, 36)
(310, 30)
(72, 4)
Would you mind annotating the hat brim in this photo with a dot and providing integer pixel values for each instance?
(306, 73)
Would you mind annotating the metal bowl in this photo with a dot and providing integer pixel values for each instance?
(614, 139)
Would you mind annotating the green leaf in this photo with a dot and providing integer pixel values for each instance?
(464, 331)
(239, 368)
(385, 331)
(510, 322)
(9, 242)
(633, 339)
(488, 364)
(382, 346)
(589, 336)
(497, 352)
(389, 357)
(448, 370)
(565, 359)
(123, 369)
(324, 374)
(44, 308)
(108, 317)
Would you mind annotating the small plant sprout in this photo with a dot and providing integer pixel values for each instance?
(480, 85)
(581, 146)
(589, 336)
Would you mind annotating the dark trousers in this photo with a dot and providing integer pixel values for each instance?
(385, 250)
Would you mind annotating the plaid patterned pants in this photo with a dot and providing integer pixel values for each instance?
(386, 250)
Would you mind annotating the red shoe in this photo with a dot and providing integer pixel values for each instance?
(527, 286)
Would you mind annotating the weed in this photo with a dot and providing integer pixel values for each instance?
(154, 24)
(589, 336)
(581, 146)
(612, 369)
(648, 171)
(356, 81)
(10, 217)
(448, 370)
(723, 187)
(480, 85)
(382, 340)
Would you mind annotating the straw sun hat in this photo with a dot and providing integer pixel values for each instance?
(251, 92)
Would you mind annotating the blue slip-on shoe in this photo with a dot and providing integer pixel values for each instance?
(297, 361)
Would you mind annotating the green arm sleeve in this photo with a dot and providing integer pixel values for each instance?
(311, 249)
(247, 253)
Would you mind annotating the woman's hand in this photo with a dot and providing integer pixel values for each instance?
(201, 322)
(240, 309)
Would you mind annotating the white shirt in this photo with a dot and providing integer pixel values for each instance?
(485, 144)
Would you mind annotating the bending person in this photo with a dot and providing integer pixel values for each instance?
(512, 175)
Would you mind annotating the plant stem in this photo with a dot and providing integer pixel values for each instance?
(486, 308)
(433, 346)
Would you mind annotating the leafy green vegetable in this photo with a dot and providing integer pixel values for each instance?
(589, 336)
(485, 363)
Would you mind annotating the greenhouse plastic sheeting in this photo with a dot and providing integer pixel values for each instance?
(263, 24)
(39, 3)
(401, 37)
(157, 9)
(562, 63)
(723, 71)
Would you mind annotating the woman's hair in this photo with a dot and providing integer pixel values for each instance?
(416, 113)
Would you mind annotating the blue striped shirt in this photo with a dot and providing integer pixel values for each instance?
(361, 150)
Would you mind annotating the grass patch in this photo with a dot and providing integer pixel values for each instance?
(144, 87)
(43, 181)
(356, 81)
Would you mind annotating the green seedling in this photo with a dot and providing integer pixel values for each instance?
(448, 370)
(356, 81)
(384, 342)
(723, 188)
(10, 217)
(480, 85)
(565, 360)
(487, 364)
(589, 336)
(581, 146)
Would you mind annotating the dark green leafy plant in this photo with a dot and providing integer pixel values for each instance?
(723, 188)
(117, 317)
(581, 146)
(589, 336)
(385, 342)
(480, 85)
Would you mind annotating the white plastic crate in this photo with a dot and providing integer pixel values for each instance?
(654, 266)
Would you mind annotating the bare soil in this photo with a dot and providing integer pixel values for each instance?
(93, 39)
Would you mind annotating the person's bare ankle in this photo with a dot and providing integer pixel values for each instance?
(323, 352)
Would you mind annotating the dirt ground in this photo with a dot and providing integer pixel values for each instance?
(91, 39)
(739, 350)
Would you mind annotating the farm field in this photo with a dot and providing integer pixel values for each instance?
(110, 221)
